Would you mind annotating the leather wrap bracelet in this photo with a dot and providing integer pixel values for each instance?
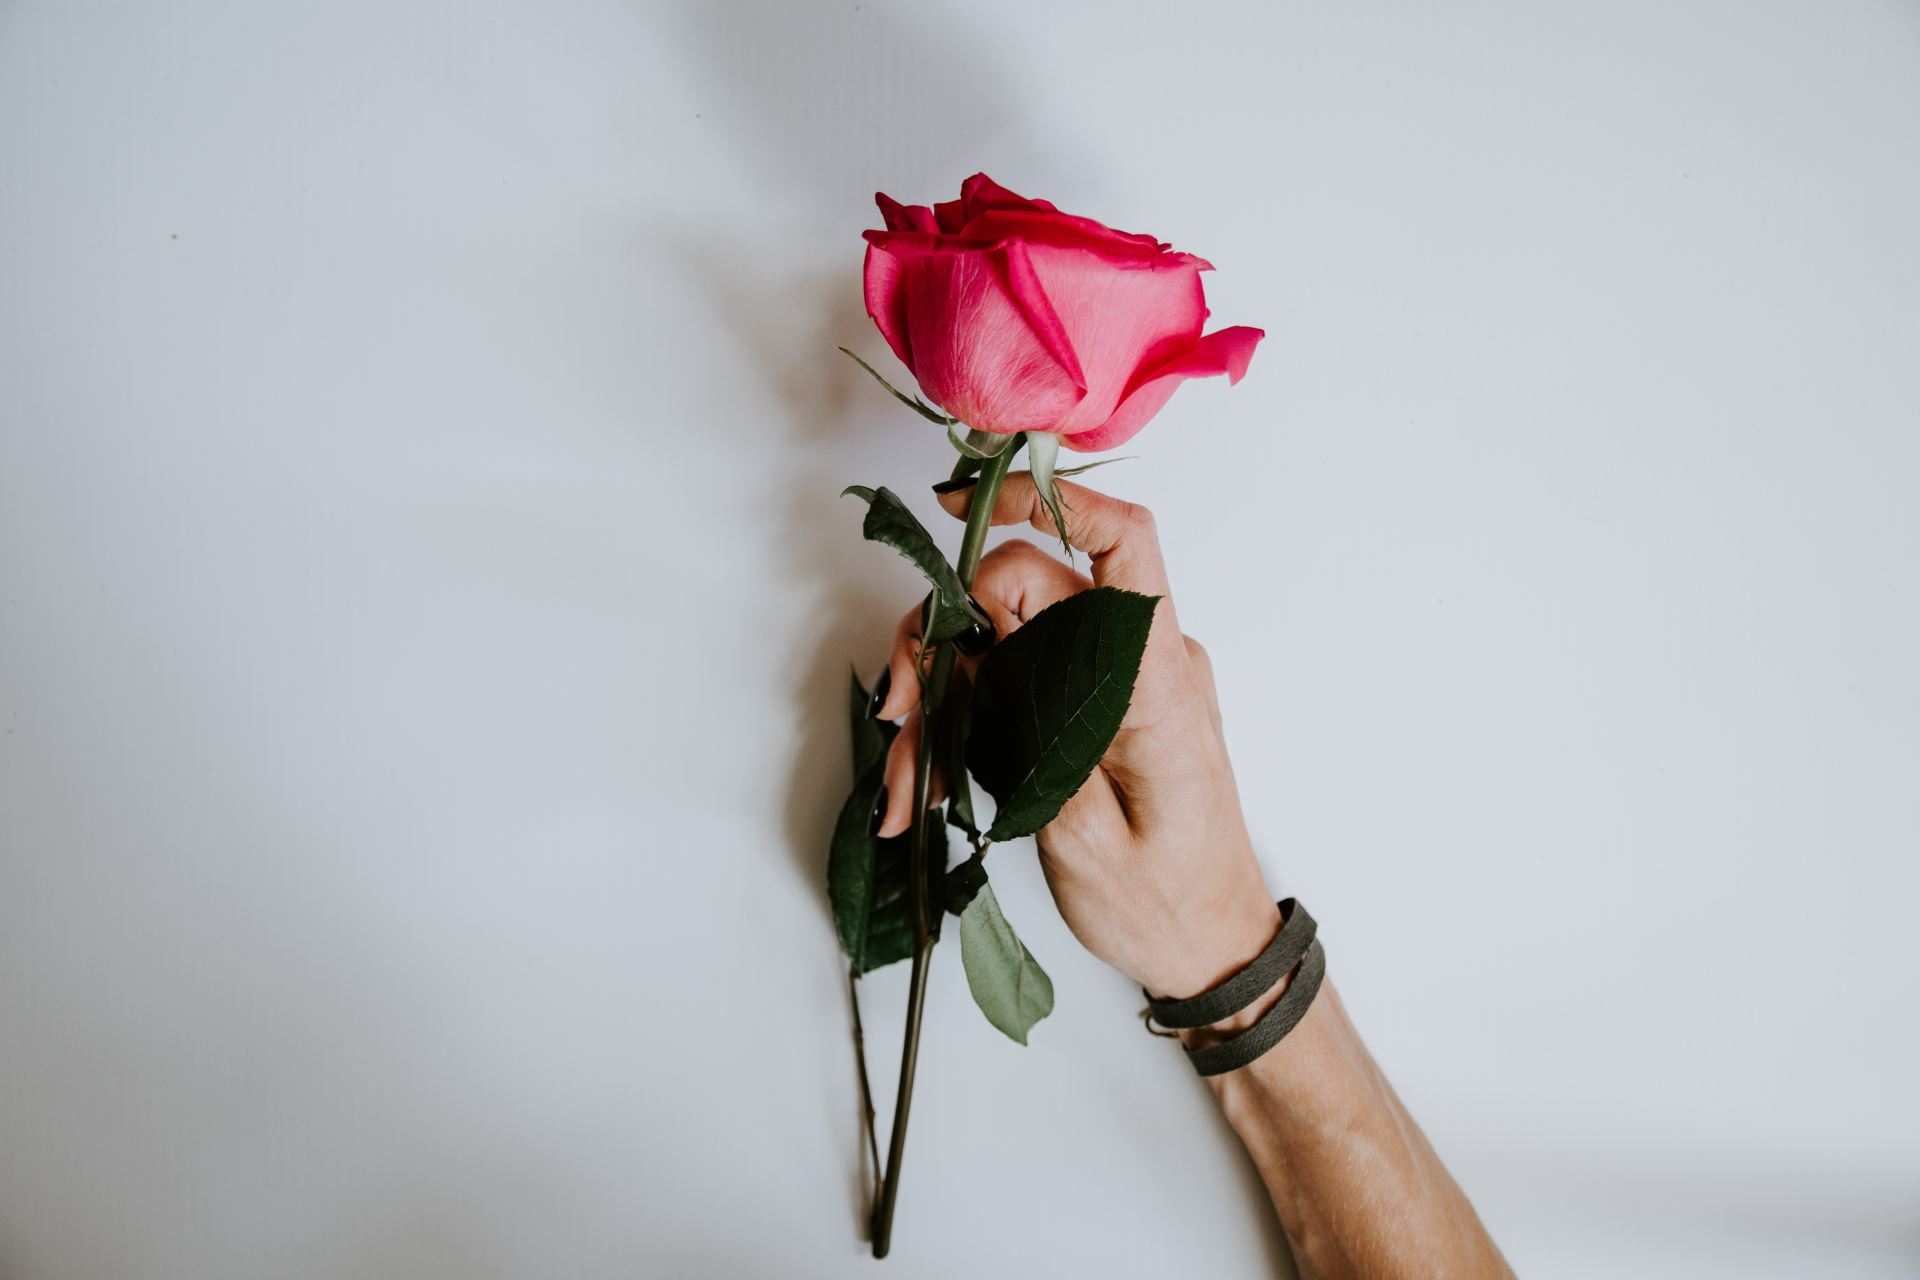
(1295, 944)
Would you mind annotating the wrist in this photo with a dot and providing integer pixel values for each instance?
(1238, 1021)
(1224, 937)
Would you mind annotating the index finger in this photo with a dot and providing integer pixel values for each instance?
(1118, 536)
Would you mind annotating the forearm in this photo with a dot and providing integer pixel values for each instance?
(1358, 1189)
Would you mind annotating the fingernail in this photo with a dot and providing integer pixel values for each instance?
(881, 688)
(955, 486)
(979, 637)
(879, 812)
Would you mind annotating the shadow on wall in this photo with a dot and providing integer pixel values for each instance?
(826, 106)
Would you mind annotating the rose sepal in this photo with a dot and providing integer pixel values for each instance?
(1043, 447)
(914, 403)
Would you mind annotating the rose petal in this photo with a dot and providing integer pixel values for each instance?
(1023, 282)
(1068, 231)
(910, 241)
(887, 301)
(1119, 321)
(904, 217)
(976, 352)
(980, 193)
(950, 216)
(1014, 265)
(1222, 351)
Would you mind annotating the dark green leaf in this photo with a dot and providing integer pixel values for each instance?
(867, 881)
(962, 884)
(914, 403)
(870, 738)
(959, 713)
(1007, 982)
(888, 521)
(890, 919)
(1049, 699)
(867, 876)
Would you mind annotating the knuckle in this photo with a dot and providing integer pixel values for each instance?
(1008, 565)
(1138, 520)
(1012, 551)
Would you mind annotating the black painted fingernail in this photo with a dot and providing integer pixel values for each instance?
(879, 812)
(955, 486)
(881, 688)
(979, 637)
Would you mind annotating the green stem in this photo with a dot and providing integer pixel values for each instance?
(866, 1086)
(979, 517)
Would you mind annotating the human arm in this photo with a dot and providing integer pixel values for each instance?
(1153, 870)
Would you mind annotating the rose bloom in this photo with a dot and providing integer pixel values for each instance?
(1014, 316)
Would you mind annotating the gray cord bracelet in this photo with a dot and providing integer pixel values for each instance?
(1230, 1055)
(1243, 988)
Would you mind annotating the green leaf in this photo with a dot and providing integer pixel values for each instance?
(867, 883)
(959, 712)
(867, 876)
(1007, 982)
(888, 521)
(871, 737)
(914, 403)
(1049, 699)
(963, 884)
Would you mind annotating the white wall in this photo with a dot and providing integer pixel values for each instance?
(424, 613)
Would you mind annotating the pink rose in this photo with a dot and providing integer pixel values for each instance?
(1017, 317)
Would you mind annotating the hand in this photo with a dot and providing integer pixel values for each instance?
(1151, 866)
(1150, 863)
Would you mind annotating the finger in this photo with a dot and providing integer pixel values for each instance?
(1017, 580)
(903, 668)
(903, 763)
(902, 760)
(1203, 672)
(1118, 536)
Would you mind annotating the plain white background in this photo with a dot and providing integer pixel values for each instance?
(425, 612)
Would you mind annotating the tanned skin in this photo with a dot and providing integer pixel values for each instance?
(1153, 870)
